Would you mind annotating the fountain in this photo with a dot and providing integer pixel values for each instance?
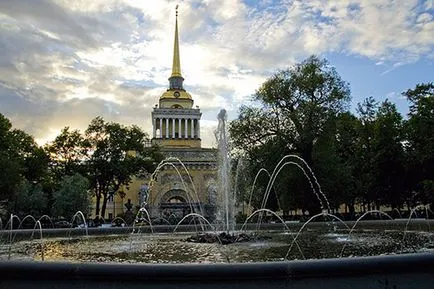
(261, 255)
(311, 239)
(226, 198)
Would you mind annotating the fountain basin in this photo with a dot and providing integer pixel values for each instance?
(119, 245)
(403, 271)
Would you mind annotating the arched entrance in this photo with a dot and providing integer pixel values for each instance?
(176, 200)
(174, 205)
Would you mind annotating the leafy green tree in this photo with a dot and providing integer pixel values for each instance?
(116, 153)
(293, 109)
(72, 196)
(364, 157)
(347, 147)
(67, 153)
(306, 95)
(30, 199)
(20, 158)
(33, 159)
(331, 169)
(420, 142)
(256, 126)
(376, 154)
(10, 176)
(67, 157)
(5, 127)
(389, 157)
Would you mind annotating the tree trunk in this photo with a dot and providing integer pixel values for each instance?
(306, 152)
(104, 204)
(351, 210)
(97, 205)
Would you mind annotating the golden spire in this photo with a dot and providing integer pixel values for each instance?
(176, 67)
(176, 90)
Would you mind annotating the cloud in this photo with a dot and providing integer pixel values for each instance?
(65, 62)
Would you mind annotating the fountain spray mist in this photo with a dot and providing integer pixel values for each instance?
(225, 210)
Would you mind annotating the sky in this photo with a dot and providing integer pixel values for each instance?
(62, 62)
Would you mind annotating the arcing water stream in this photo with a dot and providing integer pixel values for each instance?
(313, 239)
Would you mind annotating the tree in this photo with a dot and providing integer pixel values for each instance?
(10, 176)
(72, 196)
(256, 126)
(347, 148)
(364, 156)
(294, 107)
(67, 153)
(332, 170)
(306, 95)
(388, 156)
(30, 199)
(116, 153)
(20, 159)
(420, 141)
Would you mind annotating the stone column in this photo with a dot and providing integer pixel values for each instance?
(198, 128)
(154, 127)
(186, 128)
(179, 128)
(192, 128)
(173, 128)
(161, 127)
(167, 128)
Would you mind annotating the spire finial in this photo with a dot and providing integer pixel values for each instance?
(176, 67)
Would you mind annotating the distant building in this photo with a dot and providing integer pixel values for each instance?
(176, 129)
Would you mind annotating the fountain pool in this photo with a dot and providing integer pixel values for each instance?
(274, 243)
(377, 255)
(362, 254)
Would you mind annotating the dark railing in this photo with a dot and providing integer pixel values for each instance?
(385, 272)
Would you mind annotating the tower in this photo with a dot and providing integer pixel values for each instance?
(175, 122)
(181, 188)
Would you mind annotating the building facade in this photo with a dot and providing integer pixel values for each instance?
(186, 181)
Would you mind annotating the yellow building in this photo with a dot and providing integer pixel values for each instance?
(176, 129)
